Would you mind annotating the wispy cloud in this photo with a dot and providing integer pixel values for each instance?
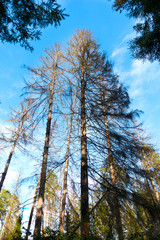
(119, 51)
(144, 76)
(10, 179)
(128, 37)
(143, 79)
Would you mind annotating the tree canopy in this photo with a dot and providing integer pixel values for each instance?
(21, 21)
(146, 45)
(5, 198)
(77, 122)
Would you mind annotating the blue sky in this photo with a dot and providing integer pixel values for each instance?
(112, 31)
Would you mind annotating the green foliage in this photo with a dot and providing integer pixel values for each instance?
(17, 229)
(147, 43)
(51, 197)
(21, 21)
(91, 237)
(148, 235)
(50, 234)
(72, 213)
(16, 233)
(51, 183)
(102, 221)
(5, 199)
(151, 159)
(12, 220)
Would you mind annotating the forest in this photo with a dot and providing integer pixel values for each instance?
(96, 172)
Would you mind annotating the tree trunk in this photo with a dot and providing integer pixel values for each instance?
(155, 189)
(112, 173)
(11, 152)
(40, 203)
(42, 223)
(84, 164)
(46, 215)
(32, 209)
(62, 213)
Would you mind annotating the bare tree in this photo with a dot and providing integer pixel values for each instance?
(45, 89)
(46, 145)
(82, 54)
(19, 133)
(63, 204)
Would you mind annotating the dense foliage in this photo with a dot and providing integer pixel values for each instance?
(146, 45)
(22, 21)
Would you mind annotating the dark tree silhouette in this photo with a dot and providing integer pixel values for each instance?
(146, 45)
(21, 21)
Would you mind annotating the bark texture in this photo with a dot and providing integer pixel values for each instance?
(46, 215)
(84, 164)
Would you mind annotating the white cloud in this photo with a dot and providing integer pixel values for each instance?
(10, 179)
(140, 68)
(128, 37)
(135, 92)
(119, 51)
(144, 76)
(143, 80)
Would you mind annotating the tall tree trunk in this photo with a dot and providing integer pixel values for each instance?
(40, 203)
(42, 223)
(46, 215)
(32, 209)
(153, 186)
(62, 213)
(11, 152)
(84, 164)
(112, 173)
